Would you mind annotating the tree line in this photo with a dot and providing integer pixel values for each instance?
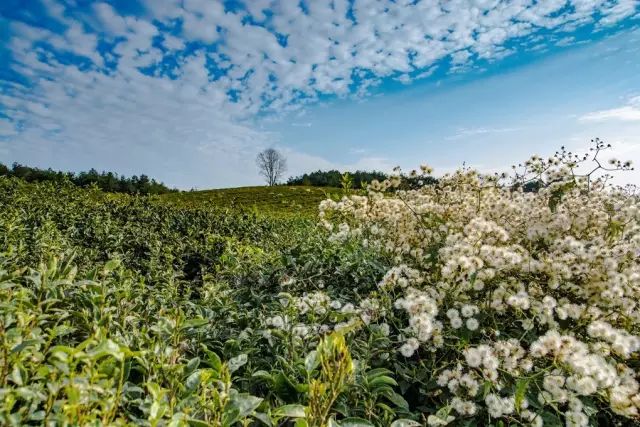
(106, 181)
(333, 178)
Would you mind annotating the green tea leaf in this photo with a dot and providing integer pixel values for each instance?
(237, 362)
(290, 411)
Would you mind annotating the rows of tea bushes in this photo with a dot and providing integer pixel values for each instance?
(465, 302)
(275, 201)
(120, 310)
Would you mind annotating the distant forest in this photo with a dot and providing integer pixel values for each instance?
(359, 179)
(333, 178)
(106, 181)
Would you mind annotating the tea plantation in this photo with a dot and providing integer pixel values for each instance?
(123, 310)
(463, 302)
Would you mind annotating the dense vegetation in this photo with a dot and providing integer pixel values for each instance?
(279, 200)
(107, 181)
(334, 178)
(118, 309)
(359, 180)
(463, 302)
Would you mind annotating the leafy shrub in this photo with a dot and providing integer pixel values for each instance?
(132, 310)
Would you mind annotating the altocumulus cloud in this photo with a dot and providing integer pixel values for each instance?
(177, 89)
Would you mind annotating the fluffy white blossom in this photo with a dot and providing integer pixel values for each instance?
(548, 282)
(315, 302)
(434, 420)
(469, 310)
(472, 324)
(409, 347)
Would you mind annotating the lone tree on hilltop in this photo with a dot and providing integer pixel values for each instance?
(272, 165)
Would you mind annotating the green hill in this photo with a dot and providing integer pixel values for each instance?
(278, 200)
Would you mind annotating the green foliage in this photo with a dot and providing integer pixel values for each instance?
(336, 369)
(357, 179)
(334, 178)
(279, 200)
(70, 356)
(129, 310)
(346, 181)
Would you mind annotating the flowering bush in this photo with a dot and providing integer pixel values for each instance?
(524, 304)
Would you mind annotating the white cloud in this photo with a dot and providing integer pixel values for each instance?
(472, 132)
(629, 112)
(200, 19)
(173, 43)
(619, 10)
(325, 48)
(7, 128)
(111, 21)
(132, 123)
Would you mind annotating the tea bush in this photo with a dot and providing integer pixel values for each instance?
(137, 310)
(464, 302)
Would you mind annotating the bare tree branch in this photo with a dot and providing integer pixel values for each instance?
(271, 165)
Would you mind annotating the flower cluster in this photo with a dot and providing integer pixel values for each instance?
(316, 313)
(534, 293)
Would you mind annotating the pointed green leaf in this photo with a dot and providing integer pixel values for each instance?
(237, 362)
(291, 411)
(246, 403)
(355, 422)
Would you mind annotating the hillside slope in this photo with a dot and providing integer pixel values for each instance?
(279, 200)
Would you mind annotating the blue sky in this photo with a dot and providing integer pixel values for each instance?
(189, 91)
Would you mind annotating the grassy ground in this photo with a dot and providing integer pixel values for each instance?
(279, 200)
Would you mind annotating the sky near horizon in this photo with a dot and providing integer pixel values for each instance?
(189, 91)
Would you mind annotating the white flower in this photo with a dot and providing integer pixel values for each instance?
(348, 308)
(407, 349)
(300, 330)
(434, 420)
(468, 310)
(472, 324)
(384, 328)
(456, 323)
(452, 313)
(473, 357)
(276, 322)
